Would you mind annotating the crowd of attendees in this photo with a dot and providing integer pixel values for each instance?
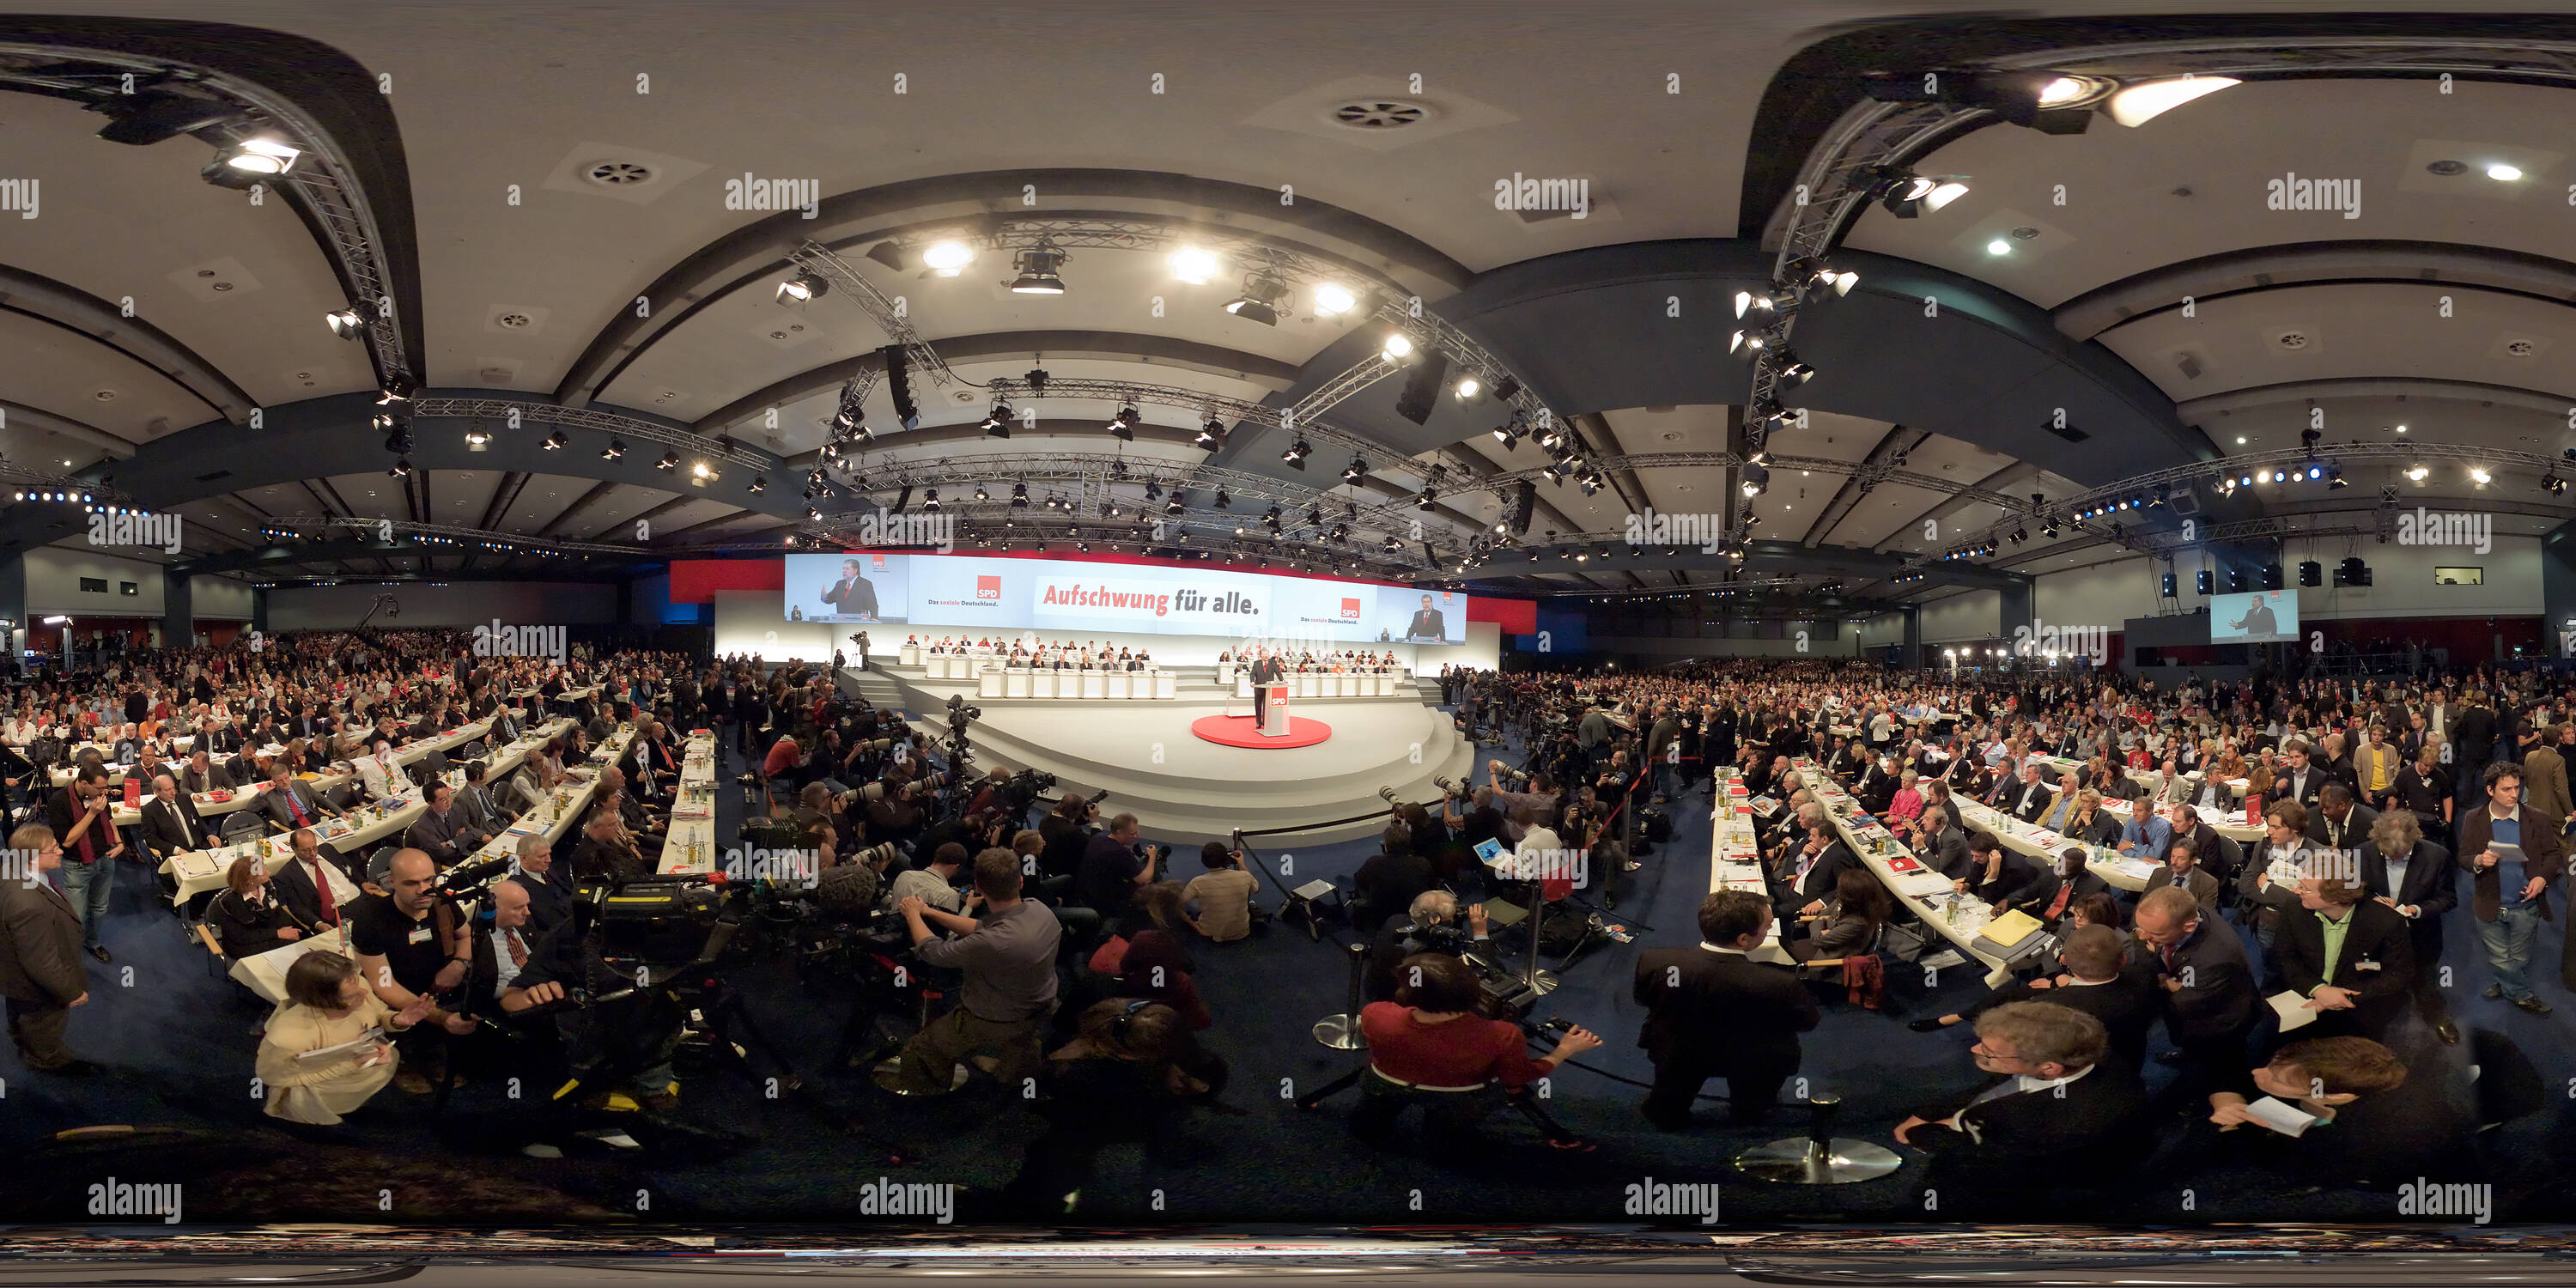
(1075, 944)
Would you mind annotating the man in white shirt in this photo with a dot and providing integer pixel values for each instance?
(935, 885)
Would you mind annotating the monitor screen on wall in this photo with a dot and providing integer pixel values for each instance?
(2256, 617)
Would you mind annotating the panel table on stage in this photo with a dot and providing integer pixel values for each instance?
(1920, 888)
(1735, 858)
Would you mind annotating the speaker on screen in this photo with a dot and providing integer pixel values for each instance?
(1422, 387)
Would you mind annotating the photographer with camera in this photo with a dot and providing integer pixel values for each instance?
(1008, 961)
(1115, 867)
(1222, 895)
(1430, 925)
(936, 884)
(585, 1016)
(411, 943)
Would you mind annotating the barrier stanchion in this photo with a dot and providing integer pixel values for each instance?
(1819, 1158)
(1342, 1032)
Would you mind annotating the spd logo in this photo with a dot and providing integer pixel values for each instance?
(1350, 610)
(988, 588)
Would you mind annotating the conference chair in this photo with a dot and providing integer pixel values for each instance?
(243, 825)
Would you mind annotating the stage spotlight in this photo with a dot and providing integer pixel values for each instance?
(669, 461)
(2334, 477)
(2479, 476)
(1153, 491)
(2417, 473)
(1296, 454)
(1355, 471)
(616, 448)
(947, 258)
(249, 163)
(1211, 435)
(347, 323)
(1123, 425)
(1040, 271)
(1427, 498)
(2135, 105)
(1508, 434)
(1793, 372)
(1019, 496)
(2552, 484)
(1397, 348)
(1468, 389)
(804, 286)
(929, 499)
(1194, 265)
(813, 515)
(556, 442)
(1223, 501)
(1760, 305)
(1174, 507)
(1260, 299)
(1757, 479)
(397, 388)
(997, 422)
(477, 438)
(401, 469)
(1745, 344)
(1332, 299)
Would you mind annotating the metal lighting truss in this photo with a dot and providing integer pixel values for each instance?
(320, 184)
(604, 422)
(817, 258)
(1832, 188)
(1293, 265)
(2251, 464)
(1429, 332)
(1087, 481)
(1240, 411)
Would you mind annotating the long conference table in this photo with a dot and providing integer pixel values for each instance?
(554, 817)
(689, 845)
(1916, 885)
(1735, 857)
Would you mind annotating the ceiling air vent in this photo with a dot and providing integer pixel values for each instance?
(1378, 115)
(618, 174)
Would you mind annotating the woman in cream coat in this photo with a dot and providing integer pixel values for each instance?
(327, 1004)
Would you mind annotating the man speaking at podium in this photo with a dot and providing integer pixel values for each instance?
(1426, 626)
(1269, 674)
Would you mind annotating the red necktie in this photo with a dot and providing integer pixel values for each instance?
(518, 949)
(294, 806)
(2057, 906)
(322, 887)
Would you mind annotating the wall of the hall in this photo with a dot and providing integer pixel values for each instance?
(464, 603)
(1974, 615)
(1646, 647)
(747, 621)
(2402, 583)
(53, 576)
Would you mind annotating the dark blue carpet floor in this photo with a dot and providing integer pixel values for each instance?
(177, 1040)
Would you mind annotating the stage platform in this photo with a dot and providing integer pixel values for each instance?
(1185, 789)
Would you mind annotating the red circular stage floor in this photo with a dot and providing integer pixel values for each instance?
(1243, 731)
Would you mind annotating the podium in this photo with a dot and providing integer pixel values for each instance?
(1274, 710)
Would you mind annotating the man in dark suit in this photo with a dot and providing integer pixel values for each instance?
(1997, 874)
(853, 595)
(2513, 853)
(1940, 843)
(2029, 798)
(1426, 625)
(2414, 877)
(290, 802)
(2339, 822)
(2351, 958)
(2182, 872)
(549, 886)
(2210, 993)
(2055, 1110)
(1714, 1012)
(2058, 888)
(442, 831)
(170, 821)
(40, 945)
(203, 774)
(2299, 778)
(2097, 981)
(1814, 865)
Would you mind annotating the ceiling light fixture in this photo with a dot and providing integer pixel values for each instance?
(947, 258)
(804, 286)
(1041, 271)
(2135, 105)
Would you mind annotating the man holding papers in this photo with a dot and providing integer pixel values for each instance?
(2350, 957)
(2512, 852)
